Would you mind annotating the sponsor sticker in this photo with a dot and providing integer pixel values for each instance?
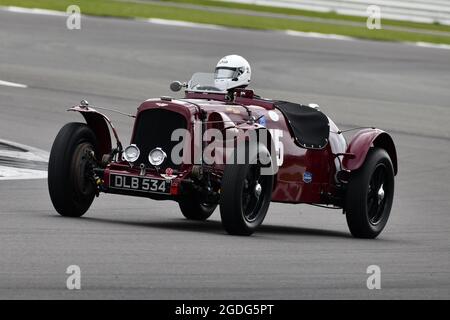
(307, 177)
(262, 121)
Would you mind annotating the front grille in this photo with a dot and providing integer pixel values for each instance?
(154, 129)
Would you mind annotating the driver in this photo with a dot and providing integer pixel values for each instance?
(231, 72)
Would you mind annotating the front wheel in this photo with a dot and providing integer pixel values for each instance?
(245, 195)
(70, 182)
(370, 194)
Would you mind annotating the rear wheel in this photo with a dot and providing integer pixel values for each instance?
(370, 194)
(70, 182)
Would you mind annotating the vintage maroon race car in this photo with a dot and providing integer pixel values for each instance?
(233, 149)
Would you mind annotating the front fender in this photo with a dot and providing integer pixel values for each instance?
(361, 143)
(264, 136)
(99, 123)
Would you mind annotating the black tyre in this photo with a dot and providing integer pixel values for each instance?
(70, 186)
(245, 195)
(370, 194)
(193, 208)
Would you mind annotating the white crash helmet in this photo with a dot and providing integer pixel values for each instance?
(232, 71)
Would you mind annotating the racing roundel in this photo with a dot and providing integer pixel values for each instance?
(307, 177)
(273, 116)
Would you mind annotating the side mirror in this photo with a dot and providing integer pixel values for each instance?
(176, 86)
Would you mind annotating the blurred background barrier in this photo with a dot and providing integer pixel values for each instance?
(348, 18)
(426, 11)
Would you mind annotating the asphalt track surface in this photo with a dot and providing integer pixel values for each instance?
(137, 248)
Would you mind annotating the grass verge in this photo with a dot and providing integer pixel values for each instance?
(149, 10)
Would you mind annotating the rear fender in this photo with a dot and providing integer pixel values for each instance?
(99, 123)
(361, 143)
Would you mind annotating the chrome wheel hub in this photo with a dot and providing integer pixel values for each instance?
(258, 190)
(380, 194)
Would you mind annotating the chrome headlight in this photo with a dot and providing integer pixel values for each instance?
(156, 156)
(131, 153)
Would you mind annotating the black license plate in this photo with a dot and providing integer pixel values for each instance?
(136, 183)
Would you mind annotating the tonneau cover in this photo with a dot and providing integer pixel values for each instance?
(309, 125)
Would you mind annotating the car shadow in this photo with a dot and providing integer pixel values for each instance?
(216, 227)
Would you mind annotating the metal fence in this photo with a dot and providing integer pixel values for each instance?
(427, 11)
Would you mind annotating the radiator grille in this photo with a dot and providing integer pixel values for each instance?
(154, 129)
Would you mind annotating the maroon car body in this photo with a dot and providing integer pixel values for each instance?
(289, 186)
(328, 169)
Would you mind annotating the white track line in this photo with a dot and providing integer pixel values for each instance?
(317, 35)
(35, 11)
(431, 45)
(12, 84)
(179, 23)
(340, 37)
